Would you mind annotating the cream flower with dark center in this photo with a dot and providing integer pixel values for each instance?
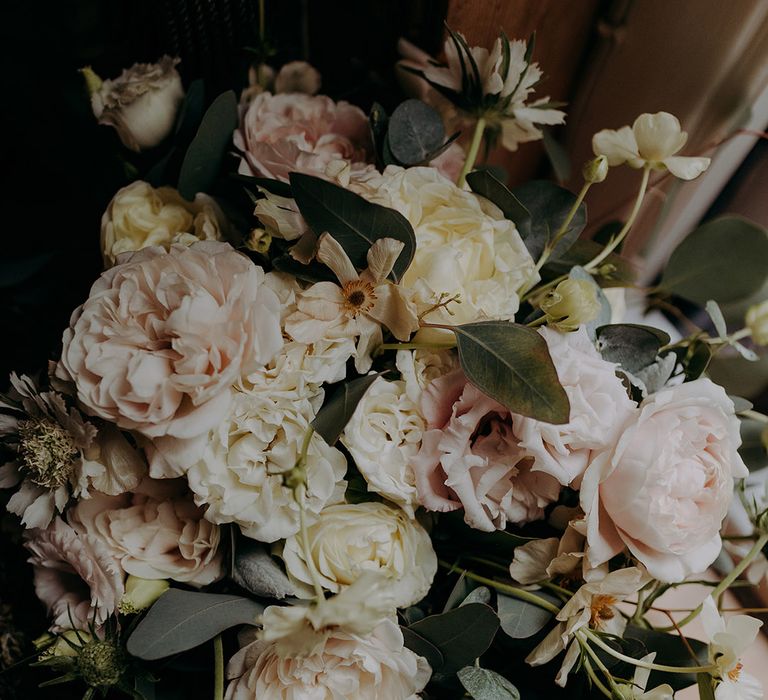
(359, 297)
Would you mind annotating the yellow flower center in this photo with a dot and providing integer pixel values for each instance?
(601, 610)
(359, 297)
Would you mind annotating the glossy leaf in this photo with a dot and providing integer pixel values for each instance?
(482, 684)
(333, 417)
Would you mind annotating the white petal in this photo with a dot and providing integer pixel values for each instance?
(532, 559)
(744, 629)
(710, 618)
(745, 688)
(661, 692)
(658, 136)
(618, 146)
(685, 167)
(540, 116)
(331, 253)
(382, 256)
(571, 657)
(549, 647)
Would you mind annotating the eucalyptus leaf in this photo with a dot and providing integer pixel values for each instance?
(481, 594)
(512, 364)
(461, 589)
(333, 417)
(354, 222)
(633, 347)
(181, 620)
(482, 684)
(204, 156)
(520, 619)
(486, 184)
(725, 260)
(257, 572)
(415, 131)
(461, 635)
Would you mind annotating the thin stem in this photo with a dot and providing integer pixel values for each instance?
(416, 346)
(621, 235)
(262, 22)
(598, 662)
(310, 562)
(593, 677)
(218, 668)
(474, 148)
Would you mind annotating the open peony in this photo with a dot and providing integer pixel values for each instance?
(157, 532)
(280, 134)
(76, 577)
(665, 488)
(349, 539)
(470, 458)
(164, 335)
(599, 403)
(345, 667)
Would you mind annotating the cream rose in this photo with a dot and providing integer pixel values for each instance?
(141, 104)
(382, 436)
(600, 408)
(347, 540)
(155, 533)
(346, 667)
(665, 488)
(140, 216)
(164, 336)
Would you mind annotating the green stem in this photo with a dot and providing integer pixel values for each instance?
(725, 583)
(504, 588)
(621, 235)
(474, 148)
(308, 560)
(262, 22)
(598, 662)
(416, 346)
(218, 668)
(598, 683)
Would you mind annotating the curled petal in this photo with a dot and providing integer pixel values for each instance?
(685, 167)
(618, 146)
(330, 253)
(382, 256)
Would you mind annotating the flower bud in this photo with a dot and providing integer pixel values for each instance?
(298, 76)
(595, 170)
(572, 303)
(140, 593)
(259, 241)
(101, 663)
(92, 81)
(757, 322)
(64, 645)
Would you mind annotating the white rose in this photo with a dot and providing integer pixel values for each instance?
(140, 216)
(347, 540)
(600, 408)
(665, 488)
(419, 367)
(382, 436)
(141, 103)
(346, 667)
(239, 476)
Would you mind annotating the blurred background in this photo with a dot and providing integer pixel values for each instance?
(706, 61)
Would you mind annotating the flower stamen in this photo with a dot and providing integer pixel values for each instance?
(359, 297)
(47, 451)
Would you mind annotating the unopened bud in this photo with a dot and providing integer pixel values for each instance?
(757, 322)
(572, 303)
(140, 593)
(595, 170)
(258, 241)
(92, 81)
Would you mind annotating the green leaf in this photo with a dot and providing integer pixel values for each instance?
(333, 417)
(621, 272)
(512, 364)
(633, 347)
(416, 643)
(278, 187)
(415, 131)
(181, 620)
(204, 155)
(752, 449)
(354, 222)
(706, 689)
(461, 635)
(520, 619)
(483, 684)
(725, 260)
(695, 359)
(557, 156)
(486, 184)
(257, 572)
(314, 272)
(481, 594)
(549, 205)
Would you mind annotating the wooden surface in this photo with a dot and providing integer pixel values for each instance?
(563, 30)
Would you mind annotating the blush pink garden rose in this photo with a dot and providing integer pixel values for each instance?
(663, 491)
(279, 134)
(165, 334)
(470, 458)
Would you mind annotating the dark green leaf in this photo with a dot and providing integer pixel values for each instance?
(454, 534)
(204, 155)
(460, 591)
(705, 685)
(558, 156)
(333, 417)
(483, 684)
(354, 222)
(619, 270)
(511, 363)
(725, 260)
(520, 619)
(181, 620)
(314, 272)
(752, 449)
(415, 131)
(257, 572)
(461, 635)
(481, 594)
(695, 359)
(486, 184)
(416, 643)
(633, 347)
(278, 187)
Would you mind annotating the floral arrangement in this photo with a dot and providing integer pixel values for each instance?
(348, 418)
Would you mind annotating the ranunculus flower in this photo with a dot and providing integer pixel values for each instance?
(600, 408)
(140, 216)
(349, 539)
(346, 667)
(470, 458)
(164, 336)
(76, 577)
(157, 532)
(382, 436)
(665, 488)
(141, 103)
(280, 134)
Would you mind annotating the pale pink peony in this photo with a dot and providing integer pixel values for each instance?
(279, 134)
(155, 533)
(165, 334)
(470, 458)
(346, 667)
(75, 575)
(664, 490)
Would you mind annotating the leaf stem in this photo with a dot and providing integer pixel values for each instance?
(474, 148)
(552, 244)
(593, 677)
(416, 346)
(218, 668)
(301, 493)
